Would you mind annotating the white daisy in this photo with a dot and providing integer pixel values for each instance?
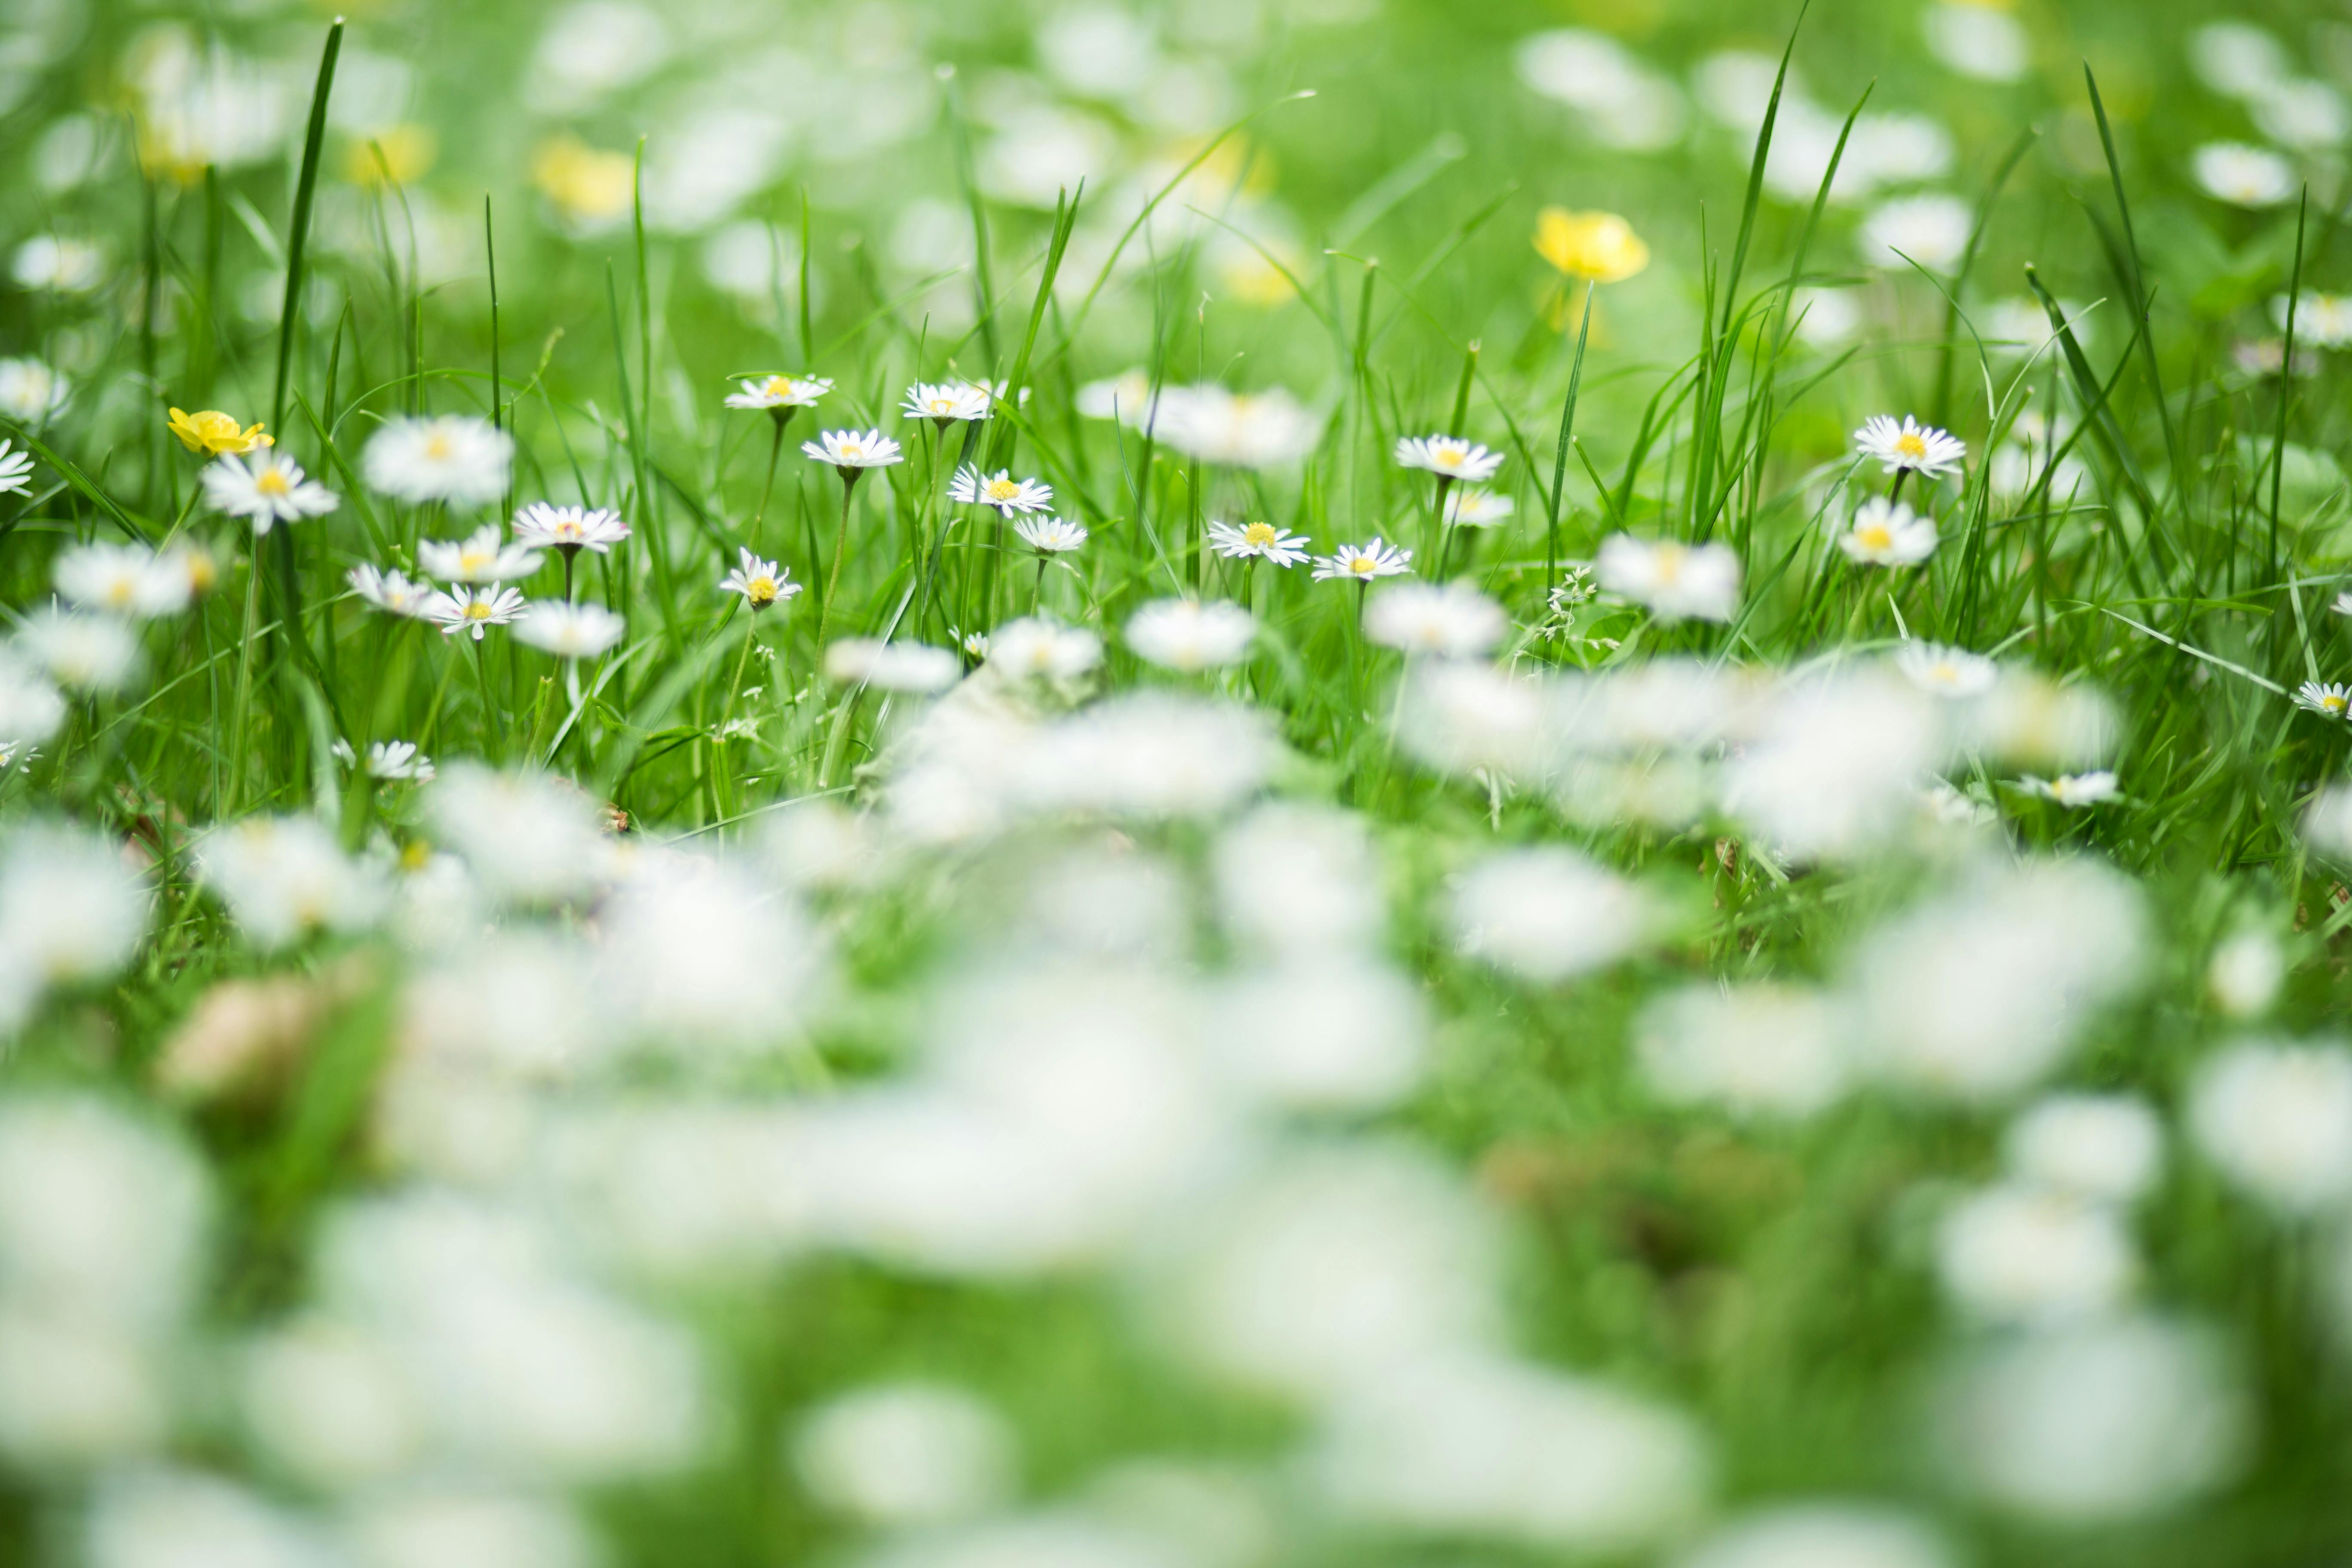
(1910, 446)
(1674, 579)
(944, 403)
(2323, 321)
(450, 457)
(779, 392)
(1931, 230)
(762, 583)
(477, 610)
(2330, 702)
(399, 760)
(392, 592)
(128, 579)
(2343, 604)
(569, 529)
(265, 487)
(1478, 509)
(1187, 635)
(570, 631)
(1452, 621)
(30, 391)
(16, 471)
(82, 652)
(481, 557)
(2072, 791)
(1050, 535)
(1945, 671)
(891, 665)
(851, 452)
(1888, 533)
(1260, 541)
(1448, 456)
(1035, 646)
(1363, 562)
(2243, 176)
(1002, 491)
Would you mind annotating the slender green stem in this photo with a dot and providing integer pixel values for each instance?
(833, 568)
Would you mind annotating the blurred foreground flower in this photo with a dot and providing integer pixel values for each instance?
(1597, 247)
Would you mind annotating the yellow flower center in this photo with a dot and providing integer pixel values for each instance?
(850, 449)
(761, 589)
(1945, 673)
(1003, 489)
(272, 482)
(1363, 566)
(1670, 562)
(1911, 444)
(1448, 456)
(436, 446)
(474, 560)
(477, 610)
(118, 592)
(1874, 535)
(2335, 704)
(1259, 535)
(778, 386)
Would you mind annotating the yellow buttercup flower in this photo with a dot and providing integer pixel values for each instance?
(214, 433)
(589, 185)
(1599, 247)
(405, 151)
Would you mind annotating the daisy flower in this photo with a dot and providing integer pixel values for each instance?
(570, 631)
(1945, 671)
(1363, 562)
(392, 593)
(214, 434)
(1910, 446)
(16, 471)
(1888, 533)
(452, 458)
(128, 579)
(1035, 646)
(1449, 458)
(481, 557)
(1260, 541)
(974, 644)
(2243, 176)
(569, 529)
(1186, 635)
(467, 608)
(946, 402)
(1478, 509)
(2343, 604)
(1677, 581)
(851, 452)
(1452, 621)
(265, 490)
(2330, 702)
(30, 391)
(761, 582)
(1002, 491)
(1050, 535)
(398, 761)
(81, 652)
(780, 395)
(2074, 791)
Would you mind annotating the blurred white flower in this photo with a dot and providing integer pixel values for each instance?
(1677, 581)
(30, 707)
(467, 608)
(1823, 1534)
(1977, 40)
(528, 837)
(1453, 620)
(570, 528)
(1756, 1050)
(75, 1393)
(2093, 1425)
(183, 1519)
(1624, 102)
(891, 665)
(1255, 540)
(1948, 672)
(329, 1403)
(1002, 490)
(1910, 445)
(483, 556)
(102, 1216)
(590, 49)
(1547, 913)
(452, 458)
(2021, 1254)
(31, 390)
(1035, 646)
(1187, 635)
(59, 263)
(2107, 1148)
(1298, 881)
(1476, 1446)
(2072, 791)
(1269, 429)
(1835, 764)
(81, 652)
(284, 878)
(1363, 562)
(1887, 533)
(2245, 972)
(2243, 176)
(1050, 535)
(1336, 1032)
(677, 941)
(906, 1454)
(1477, 508)
(1449, 458)
(71, 909)
(570, 631)
(1975, 994)
(2237, 58)
(1930, 230)
(468, 1526)
(394, 592)
(779, 393)
(2276, 1120)
(2309, 116)
(127, 579)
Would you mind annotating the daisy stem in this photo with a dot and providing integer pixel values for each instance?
(1896, 493)
(567, 574)
(1437, 521)
(1037, 592)
(775, 452)
(833, 570)
(239, 749)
